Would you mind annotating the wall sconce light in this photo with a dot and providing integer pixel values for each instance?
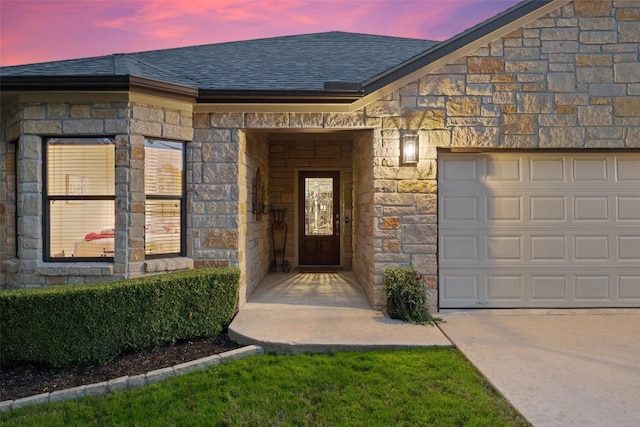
(409, 148)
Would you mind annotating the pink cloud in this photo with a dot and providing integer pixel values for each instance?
(40, 30)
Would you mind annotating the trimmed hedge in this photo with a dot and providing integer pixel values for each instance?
(62, 325)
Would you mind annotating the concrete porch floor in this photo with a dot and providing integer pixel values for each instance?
(305, 312)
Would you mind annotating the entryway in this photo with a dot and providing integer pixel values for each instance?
(319, 182)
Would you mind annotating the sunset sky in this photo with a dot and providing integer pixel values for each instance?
(48, 30)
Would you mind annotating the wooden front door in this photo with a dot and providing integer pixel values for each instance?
(319, 218)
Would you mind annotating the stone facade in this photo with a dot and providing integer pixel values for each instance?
(565, 81)
(129, 124)
(568, 80)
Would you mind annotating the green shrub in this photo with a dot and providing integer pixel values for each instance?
(406, 296)
(61, 325)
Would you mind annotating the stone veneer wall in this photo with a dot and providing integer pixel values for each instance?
(363, 215)
(568, 80)
(129, 123)
(293, 152)
(8, 137)
(214, 204)
(255, 250)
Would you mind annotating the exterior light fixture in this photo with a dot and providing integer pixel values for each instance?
(409, 148)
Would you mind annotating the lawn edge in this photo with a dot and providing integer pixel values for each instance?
(128, 383)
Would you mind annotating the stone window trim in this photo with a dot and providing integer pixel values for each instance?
(162, 265)
(74, 269)
(157, 265)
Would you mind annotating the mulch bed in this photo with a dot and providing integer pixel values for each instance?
(29, 380)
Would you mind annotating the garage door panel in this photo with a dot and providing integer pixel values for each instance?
(592, 287)
(590, 169)
(500, 170)
(628, 170)
(546, 230)
(546, 170)
(588, 248)
(460, 208)
(461, 170)
(504, 208)
(548, 248)
(548, 287)
(629, 248)
(457, 248)
(628, 208)
(504, 248)
(629, 287)
(545, 208)
(461, 288)
(591, 208)
(505, 287)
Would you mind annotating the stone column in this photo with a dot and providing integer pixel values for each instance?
(29, 207)
(130, 199)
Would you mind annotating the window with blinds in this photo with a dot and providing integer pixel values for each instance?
(79, 199)
(164, 206)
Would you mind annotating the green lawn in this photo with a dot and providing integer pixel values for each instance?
(420, 387)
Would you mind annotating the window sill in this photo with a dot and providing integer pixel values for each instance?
(160, 265)
(74, 269)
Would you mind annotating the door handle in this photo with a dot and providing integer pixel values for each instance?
(337, 227)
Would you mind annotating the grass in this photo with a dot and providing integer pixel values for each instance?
(420, 387)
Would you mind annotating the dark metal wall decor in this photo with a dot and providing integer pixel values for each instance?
(259, 205)
(279, 241)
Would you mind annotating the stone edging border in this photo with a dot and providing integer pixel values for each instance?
(126, 382)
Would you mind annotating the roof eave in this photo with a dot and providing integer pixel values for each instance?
(96, 84)
(227, 96)
(345, 94)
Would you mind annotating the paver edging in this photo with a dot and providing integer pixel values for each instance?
(128, 383)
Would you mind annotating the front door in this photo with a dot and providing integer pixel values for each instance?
(319, 218)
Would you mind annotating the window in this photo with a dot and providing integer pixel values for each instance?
(164, 207)
(79, 199)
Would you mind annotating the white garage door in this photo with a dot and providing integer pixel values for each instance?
(539, 230)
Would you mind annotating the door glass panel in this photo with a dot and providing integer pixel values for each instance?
(318, 206)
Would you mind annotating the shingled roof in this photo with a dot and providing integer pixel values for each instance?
(317, 68)
(302, 62)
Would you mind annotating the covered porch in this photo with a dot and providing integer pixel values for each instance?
(306, 202)
(304, 312)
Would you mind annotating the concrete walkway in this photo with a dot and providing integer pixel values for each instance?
(299, 312)
(557, 367)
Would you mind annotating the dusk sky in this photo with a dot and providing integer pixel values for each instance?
(48, 30)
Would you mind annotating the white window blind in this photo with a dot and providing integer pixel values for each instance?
(164, 177)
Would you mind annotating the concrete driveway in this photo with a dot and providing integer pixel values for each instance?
(557, 367)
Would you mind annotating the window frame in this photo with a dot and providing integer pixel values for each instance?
(46, 199)
(182, 198)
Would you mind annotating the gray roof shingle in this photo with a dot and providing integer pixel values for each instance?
(301, 62)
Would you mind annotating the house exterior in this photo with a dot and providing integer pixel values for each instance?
(524, 191)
